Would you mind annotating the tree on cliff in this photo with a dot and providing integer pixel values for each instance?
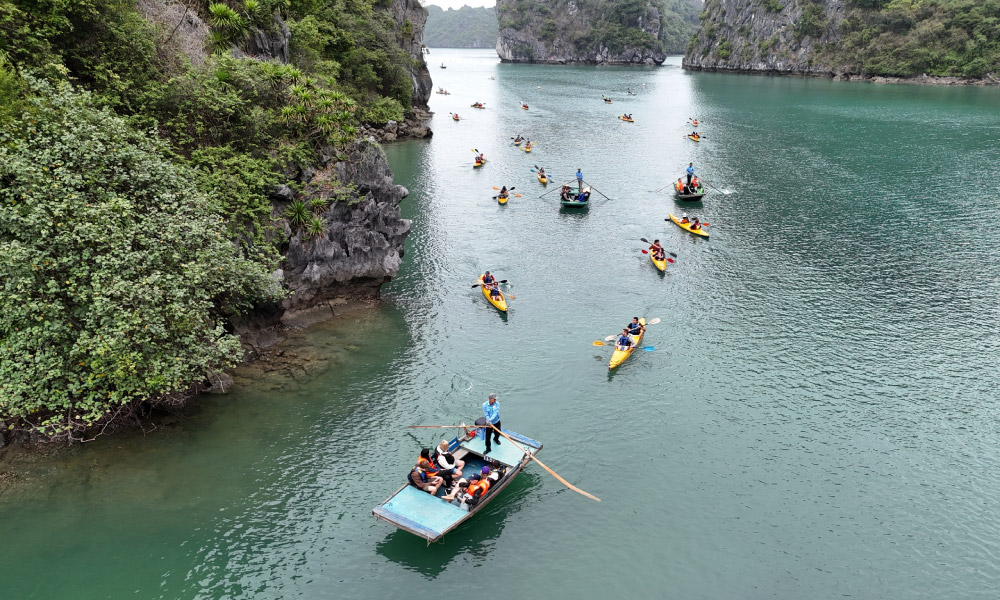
(115, 272)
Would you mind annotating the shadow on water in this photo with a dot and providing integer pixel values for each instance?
(475, 536)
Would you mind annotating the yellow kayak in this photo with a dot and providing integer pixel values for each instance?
(687, 227)
(694, 138)
(528, 149)
(660, 264)
(478, 164)
(626, 119)
(500, 302)
(502, 199)
(542, 179)
(619, 356)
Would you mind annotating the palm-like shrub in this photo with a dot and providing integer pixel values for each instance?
(297, 213)
(316, 227)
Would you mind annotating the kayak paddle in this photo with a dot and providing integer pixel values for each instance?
(646, 348)
(475, 285)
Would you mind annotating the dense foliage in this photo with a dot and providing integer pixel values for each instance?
(115, 271)
(466, 27)
(136, 162)
(910, 37)
(614, 24)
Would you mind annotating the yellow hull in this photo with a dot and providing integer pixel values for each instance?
(687, 227)
(543, 180)
(528, 149)
(627, 120)
(619, 356)
(502, 199)
(694, 139)
(500, 302)
(660, 264)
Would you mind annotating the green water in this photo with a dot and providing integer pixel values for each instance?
(818, 419)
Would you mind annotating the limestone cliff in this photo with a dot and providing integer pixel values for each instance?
(581, 31)
(360, 250)
(781, 36)
(411, 18)
(925, 41)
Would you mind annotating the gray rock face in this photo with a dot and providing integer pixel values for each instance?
(744, 36)
(270, 44)
(363, 244)
(404, 11)
(565, 35)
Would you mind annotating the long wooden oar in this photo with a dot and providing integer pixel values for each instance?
(530, 455)
(542, 465)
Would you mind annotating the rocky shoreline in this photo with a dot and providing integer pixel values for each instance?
(413, 126)
(989, 80)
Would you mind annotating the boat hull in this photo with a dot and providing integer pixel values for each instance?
(687, 227)
(659, 264)
(619, 356)
(502, 199)
(543, 180)
(500, 303)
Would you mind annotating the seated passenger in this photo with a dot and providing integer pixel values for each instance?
(446, 461)
(684, 219)
(634, 328)
(695, 225)
(423, 476)
(656, 249)
(624, 341)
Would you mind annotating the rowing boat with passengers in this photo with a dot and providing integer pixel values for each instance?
(431, 517)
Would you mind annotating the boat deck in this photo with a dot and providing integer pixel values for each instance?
(430, 517)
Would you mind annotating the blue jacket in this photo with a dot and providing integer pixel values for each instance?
(690, 170)
(492, 413)
(579, 174)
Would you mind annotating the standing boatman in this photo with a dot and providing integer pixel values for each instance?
(579, 180)
(690, 172)
(491, 410)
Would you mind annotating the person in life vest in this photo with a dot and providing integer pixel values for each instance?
(695, 225)
(527, 144)
(541, 172)
(424, 477)
(447, 462)
(490, 282)
(634, 328)
(656, 249)
(679, 185)
(480, 158)
(624, 341)
(503, 192)
(478, 487)
(518, 139)
(695, 184)
(684, 219)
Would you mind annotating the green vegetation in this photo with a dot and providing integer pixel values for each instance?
(614, 24)
(136, 163)
(937, 37)
(466, 27)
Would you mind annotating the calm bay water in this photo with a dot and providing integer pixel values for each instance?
(818, 419)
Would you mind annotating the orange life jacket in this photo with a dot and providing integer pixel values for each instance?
(429, 469)
(694, 182)
(483, 484)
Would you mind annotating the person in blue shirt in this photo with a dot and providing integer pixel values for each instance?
(690, 173)
(491, 410)
(579, 180)
(634, 328)
(624, 341)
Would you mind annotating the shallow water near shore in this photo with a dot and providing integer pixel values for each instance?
(818, 418)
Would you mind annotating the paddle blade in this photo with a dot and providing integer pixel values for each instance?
(653, 322)
(670, 260)
(610, 337)
(643, 240)
(517, 195)
(649, 348)
(511, 296)
(599, 343)
(645, 251)
(496, 188)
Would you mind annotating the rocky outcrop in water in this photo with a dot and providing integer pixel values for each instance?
(580, 31)
(360, 250)
(849, 39)
(777, 36)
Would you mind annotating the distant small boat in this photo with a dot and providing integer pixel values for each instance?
(524, 106)
(443, 67)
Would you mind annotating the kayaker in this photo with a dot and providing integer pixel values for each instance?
(481, 158)
(518, 139)
(695, 183)
(684, 219)
(635, 328)
(503, 192)
(695, 225)
(690, 170)
(541, 172)
(624, 341)
(491, 410)
(656, 249)
(527, 144)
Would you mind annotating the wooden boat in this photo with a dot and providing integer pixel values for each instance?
(577, 203)
(443, 91)
(698, 195)
(431, 517)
